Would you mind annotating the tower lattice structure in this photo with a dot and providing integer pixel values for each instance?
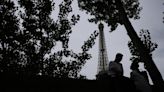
(103, 57)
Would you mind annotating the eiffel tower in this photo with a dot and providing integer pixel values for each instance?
(103, 57)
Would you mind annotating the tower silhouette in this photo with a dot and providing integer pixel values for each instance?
(103, 57)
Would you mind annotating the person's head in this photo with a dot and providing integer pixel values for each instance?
(118, 57)
(134, 65)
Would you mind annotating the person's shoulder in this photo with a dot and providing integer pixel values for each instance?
(111, 62)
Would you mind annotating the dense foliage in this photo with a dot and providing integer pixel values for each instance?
(28, 35)
(107, 11)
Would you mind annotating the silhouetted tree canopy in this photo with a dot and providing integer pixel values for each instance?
(106, 10)
(72, 67)
(10, 56)
(28, 35)
(146, 39)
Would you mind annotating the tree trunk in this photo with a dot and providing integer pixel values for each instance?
(148, 61)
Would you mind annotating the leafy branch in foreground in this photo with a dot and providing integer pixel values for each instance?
(70, 68)
(29, 37)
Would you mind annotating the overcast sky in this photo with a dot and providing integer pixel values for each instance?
(151, 19)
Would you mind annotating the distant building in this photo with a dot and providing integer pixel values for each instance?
(102, 57)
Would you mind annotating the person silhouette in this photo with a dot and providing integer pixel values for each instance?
(115, 73)
(115, 67)
(141, 83)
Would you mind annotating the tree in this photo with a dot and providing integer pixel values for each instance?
(44, 33)
(38, 33)
(106, 10)
(146, 40)
(121, 11)
(70, 68)
(29, 34)
(9, 41)
(148, 61)
(56, 65)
